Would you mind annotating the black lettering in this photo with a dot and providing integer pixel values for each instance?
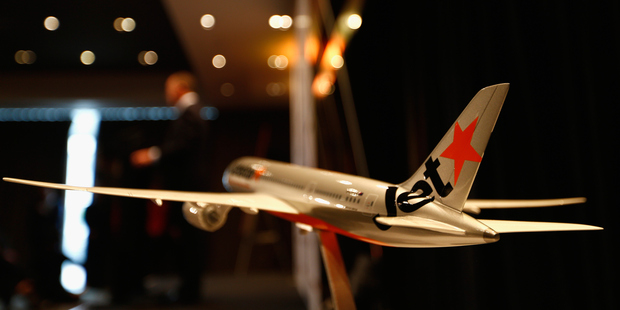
(390, 206)
(390, 201)
(404, 198)
(432, 173)
(403, 201)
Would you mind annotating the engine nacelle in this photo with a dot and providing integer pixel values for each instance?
(205, 216)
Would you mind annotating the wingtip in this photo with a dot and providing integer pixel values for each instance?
(507, 85)
(14, 180)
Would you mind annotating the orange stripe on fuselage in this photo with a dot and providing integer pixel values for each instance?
(322, 225)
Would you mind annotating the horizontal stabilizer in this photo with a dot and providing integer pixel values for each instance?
(243, 200)
(420, 223)
(502, 226)
(473, 206)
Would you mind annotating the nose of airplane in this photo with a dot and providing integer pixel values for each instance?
(490, 236)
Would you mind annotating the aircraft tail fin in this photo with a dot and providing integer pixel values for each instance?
(450, 169)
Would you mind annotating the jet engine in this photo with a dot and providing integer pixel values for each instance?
(205, 216)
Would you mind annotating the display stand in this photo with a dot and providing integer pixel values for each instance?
(339, 284)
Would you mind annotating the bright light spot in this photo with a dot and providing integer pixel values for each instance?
(323, 84)
(280, 22)
(150, 58)
(122, 24)
(227, 89)
(325, 87)
(84, 145)
(274, 21)
(51, 23)
(276, 89)
(272, 61)
(279, 62)
(117, 24)
(207, 21)
(286, 22)
(73, 277)
(81, 153)
(25, 57)
(345, 182)
(219, 61)
(354, 21)
(80, 170)
(147, 58)
(340, 206)
(337, 61)
(128, 24)
(87, 57)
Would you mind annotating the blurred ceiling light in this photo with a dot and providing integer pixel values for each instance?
(323, 84)
(337, 61)
(276, 89)
(117, 24)
(122, 24)
(325, 87)
(332, 53)
(219, 61)
(271, 61)
(207, 21)
(279, 62)
(286, 22)
(51, 23)
(87, 57)
(282, 22)
(354, 21)
(274, 21)
(25, 57)
(73, 277)
(227, 89)
(150, 58)
(147, 58)
(128, 24)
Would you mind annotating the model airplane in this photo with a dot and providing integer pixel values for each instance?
(430, 209)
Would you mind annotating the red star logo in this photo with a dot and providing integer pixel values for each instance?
(461, 150)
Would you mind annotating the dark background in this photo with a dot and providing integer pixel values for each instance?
(413, 67)
(556, 137)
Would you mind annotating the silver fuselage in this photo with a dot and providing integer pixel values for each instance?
(348, 204)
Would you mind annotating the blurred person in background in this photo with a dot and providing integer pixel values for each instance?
(181, 160)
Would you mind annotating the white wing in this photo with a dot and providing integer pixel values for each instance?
(242, 200)
(502, 226)
(475, 205)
